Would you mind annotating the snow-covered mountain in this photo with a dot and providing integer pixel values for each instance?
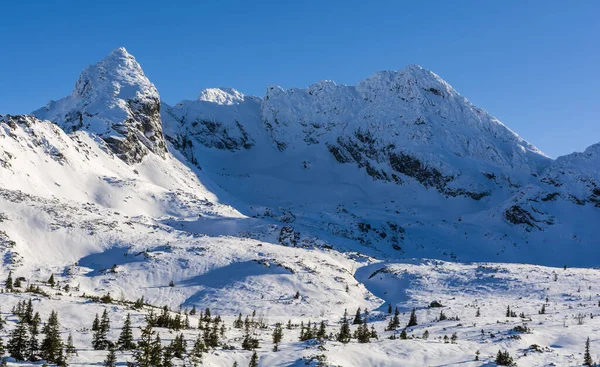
(301, 203)
(114, 100)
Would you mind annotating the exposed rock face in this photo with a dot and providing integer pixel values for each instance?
(116, 101)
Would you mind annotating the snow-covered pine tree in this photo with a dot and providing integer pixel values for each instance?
(412, 321)
(125, 341)
(17, 344)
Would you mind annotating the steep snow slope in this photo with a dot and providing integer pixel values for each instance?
(38, 158)
(114, 100)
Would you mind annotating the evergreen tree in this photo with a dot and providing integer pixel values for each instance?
(167, 358)
(2, 348)
(125, 341)
(96, 324)
(28, 312)
(178, 346)
(18, 342)
(389, 310)
(357, 319)
(33, 345)
(442, 316)
(2, 321)
(156, 352)
(277, 335)
(253, 360)
(394, 321)
(143, 353)
(322, 333)
(99, 340)
(374, 333)
(238, 323)
(52, 345)
(363, 334)
(478, 313)
(587, 357)
(9, 282)
(426, 334)
(504, 359)
(344, 335)
(51, 281)
(193, 311)
(111, 358)
(403, 334)
(413, 319)
(289, 323)
(197, 350)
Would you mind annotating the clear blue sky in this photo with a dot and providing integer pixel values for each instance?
(532, 64)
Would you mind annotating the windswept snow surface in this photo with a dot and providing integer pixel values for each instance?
(298, 206)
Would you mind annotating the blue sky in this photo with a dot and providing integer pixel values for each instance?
(532, 64)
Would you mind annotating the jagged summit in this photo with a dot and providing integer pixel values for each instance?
(114, 100)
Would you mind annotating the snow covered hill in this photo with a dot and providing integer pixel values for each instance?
(300, 205)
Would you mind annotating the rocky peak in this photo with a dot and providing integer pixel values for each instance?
(116, 101)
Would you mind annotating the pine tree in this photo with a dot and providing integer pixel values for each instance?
(167, 358)
(504, 359)
(395, 321)
(253, 360)
(238, 323)
(96, 324)
(52, 346)
(403, 334)
(51, 281)
(178, 346)
(587, 357)
(125, 341)
(363, 334)
(426, 334)
(322, 333)
(99, 341)
(111, 358)
(277, 335)
(357, 319)
(344, 335)
(143, 353)
(33, 345)
(156, 351)
(9, 282)
(2, 348)
(389, 310)
(442, 316)
(197, 350)
(193, 311)
(17, 344)
(478, 313)
(2, 321)
(413, 319)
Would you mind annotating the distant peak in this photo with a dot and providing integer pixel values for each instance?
(223, 96)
